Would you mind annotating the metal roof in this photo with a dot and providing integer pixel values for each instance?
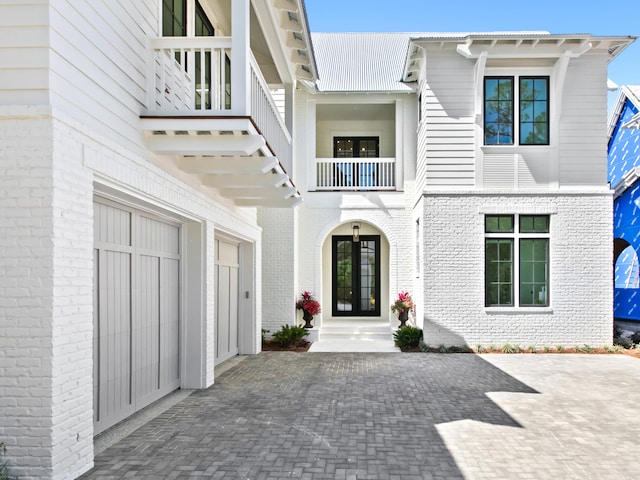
(361, 62)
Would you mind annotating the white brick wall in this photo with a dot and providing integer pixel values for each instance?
(580, 272)
(279, 279)
(49, 166)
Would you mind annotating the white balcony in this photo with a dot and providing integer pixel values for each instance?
(234, 128)
(355, 174)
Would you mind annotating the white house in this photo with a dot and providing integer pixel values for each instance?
(483, 192)
(175, 173)
(135, 146)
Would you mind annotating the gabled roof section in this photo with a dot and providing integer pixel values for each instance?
(361, 62)
(623, 143)
(627, 92)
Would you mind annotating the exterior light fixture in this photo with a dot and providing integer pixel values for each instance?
(356, 232)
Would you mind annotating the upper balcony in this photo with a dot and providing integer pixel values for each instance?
(357, 145)
(210, 105)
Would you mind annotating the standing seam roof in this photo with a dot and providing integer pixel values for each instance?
(361, 62)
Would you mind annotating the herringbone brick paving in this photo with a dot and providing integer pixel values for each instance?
(353, 416)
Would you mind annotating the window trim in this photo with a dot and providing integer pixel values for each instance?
(516, 108)
(516, 236)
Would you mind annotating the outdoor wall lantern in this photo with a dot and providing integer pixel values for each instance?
(356, 232)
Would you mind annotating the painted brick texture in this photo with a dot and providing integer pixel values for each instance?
(580, 272)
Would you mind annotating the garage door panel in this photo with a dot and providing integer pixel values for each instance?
(147, 328)
(169, 323)
(137, 311)
(227, 298)
(113, 339)
(158, 236)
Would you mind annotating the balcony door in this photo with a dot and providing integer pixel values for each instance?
(356, 173)
(174, 24)
(355, 276)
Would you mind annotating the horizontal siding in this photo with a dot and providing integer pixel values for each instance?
(446, 139)
(98, 64)
(24, 60)
(583, 147)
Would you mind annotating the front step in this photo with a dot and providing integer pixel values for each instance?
(354, 336)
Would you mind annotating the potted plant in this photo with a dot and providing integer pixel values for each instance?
(402, 306)
(309, 306)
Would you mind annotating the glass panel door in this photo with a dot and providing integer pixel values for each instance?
(356, 276)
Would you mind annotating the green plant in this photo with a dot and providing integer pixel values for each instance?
(264, 334)
(492, 348)
(617, 348)
(460, 349)
(622, 341)
(479, 348)
(424, 347)
(585, 348)
(288, 336)
(508, 348)
(408, 337)
(559, 348)
(608, 348)
(546, 349)
(4, 471)
(532, 349)
(442, 348)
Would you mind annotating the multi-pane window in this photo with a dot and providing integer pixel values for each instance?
(532, 114)
(516, 260)
(174, 18)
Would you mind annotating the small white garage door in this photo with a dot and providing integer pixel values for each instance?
(227, 276)
(136, 311)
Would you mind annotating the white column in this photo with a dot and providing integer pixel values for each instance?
(240, 57)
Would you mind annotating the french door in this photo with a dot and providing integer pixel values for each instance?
(355, 276)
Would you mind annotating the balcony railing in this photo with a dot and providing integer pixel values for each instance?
(355, 174)
(192, 76)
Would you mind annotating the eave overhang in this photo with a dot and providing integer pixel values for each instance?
(508, 45)
(228, 154)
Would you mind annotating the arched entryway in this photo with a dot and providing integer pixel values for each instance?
(355, 273)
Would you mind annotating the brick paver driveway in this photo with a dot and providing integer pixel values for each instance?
(397, 416)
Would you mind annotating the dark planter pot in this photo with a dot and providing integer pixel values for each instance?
(403, 316)
(307, 317)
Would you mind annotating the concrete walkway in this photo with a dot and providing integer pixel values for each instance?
(406, 416)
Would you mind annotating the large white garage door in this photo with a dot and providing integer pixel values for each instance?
(136, 311)
(227, 275)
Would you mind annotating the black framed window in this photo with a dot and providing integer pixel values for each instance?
(532, 112)
(174, 18)
(203, 28)
(356, 276)
(498, 110)
(358, 147)
(516, 260)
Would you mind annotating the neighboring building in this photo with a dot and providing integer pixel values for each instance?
(154, 166)
(624, 171)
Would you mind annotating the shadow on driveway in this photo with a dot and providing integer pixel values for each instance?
(317, 416)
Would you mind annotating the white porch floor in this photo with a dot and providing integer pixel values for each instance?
(354, 336)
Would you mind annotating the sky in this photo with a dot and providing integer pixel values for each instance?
(602, 18)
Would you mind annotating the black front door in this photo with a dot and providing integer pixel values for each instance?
(355, 276)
